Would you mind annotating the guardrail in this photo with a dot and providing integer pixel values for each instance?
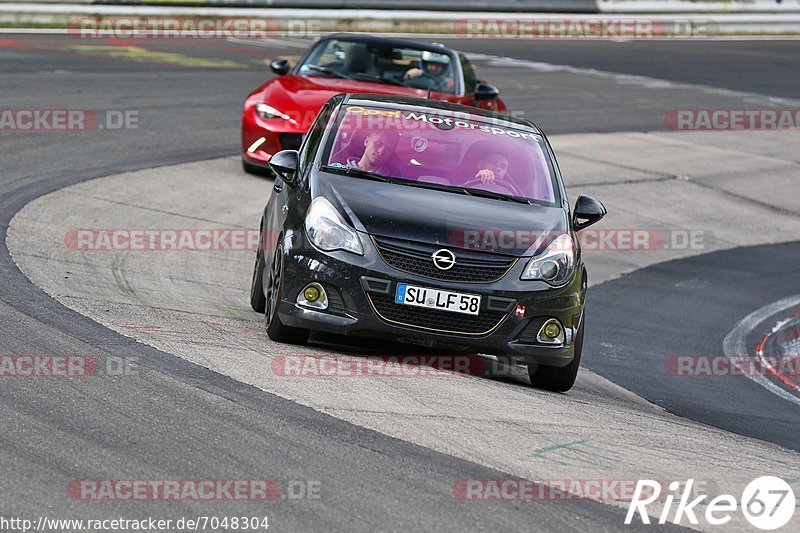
(563, 6)
(496, 6)
(494, 24)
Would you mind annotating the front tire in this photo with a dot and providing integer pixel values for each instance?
(559, 379)
(276, 330)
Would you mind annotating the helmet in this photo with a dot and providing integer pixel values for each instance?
(434, 57)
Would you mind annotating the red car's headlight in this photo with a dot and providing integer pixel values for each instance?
(266, 111)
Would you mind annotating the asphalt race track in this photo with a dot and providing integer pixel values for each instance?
(385, 455)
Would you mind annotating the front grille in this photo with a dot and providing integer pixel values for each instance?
(434, 319)
(416, 258)
(290, 141)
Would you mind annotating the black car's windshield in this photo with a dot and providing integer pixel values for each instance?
(462, 153)
(382, 63)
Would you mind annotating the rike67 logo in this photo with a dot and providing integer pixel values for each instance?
(767, 503)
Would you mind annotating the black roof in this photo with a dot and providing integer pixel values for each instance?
(424, 103)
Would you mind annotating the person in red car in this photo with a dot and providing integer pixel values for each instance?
(433, 70)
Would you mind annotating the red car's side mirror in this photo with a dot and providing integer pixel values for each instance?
(484, 91)
(280, 66)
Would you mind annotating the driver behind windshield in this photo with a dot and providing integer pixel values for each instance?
(379, 148)
(432, 70)
(492, 167)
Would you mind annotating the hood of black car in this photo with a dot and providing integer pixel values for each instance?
(446, 219)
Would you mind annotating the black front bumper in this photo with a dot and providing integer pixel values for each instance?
(363, 288)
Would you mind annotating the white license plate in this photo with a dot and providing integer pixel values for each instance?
(455, 302)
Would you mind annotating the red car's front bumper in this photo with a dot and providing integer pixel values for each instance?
(263, 138)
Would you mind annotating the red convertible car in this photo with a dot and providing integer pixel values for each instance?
(280, 112)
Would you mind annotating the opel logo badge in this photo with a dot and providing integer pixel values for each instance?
(444, 259)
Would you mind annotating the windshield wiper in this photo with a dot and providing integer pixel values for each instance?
(436, 186)
(358, 173)
(328, 71)
(497, 195)
(470, 191)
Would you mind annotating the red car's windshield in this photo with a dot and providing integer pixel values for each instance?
(381, 63)
(457, 150)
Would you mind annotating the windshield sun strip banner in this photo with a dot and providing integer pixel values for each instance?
(458, 120)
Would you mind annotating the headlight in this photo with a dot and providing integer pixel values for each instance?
(267, 111)
(327, 229)
(556, 264)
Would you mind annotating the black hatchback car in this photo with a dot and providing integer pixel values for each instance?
(430, 223)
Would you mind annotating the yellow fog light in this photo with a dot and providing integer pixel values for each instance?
(311, 293)
(552, 330)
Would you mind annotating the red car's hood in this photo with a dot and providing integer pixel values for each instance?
(306, 95)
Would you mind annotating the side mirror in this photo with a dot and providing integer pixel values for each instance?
(280, 66)
(587, 212)
(284, 164)
(484, 91)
